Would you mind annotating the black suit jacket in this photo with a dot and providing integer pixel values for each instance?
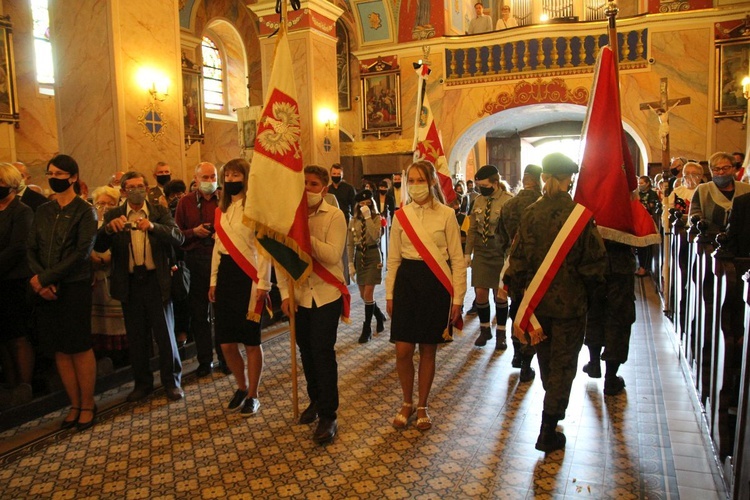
(387, 207)
(738, 229)
(163, 238)
(33, 199)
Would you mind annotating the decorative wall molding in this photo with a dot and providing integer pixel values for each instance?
(537, 92)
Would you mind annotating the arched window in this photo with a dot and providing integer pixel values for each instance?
(213, 76)
(45, 75)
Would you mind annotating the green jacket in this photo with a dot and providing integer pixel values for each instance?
(510, 217)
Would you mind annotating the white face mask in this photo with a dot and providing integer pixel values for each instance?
(419, 192)
(313, 199)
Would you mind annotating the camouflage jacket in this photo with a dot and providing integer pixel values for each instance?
(510, 217)
(581, 271)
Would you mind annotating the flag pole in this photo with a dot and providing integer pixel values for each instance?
(420, 90)
(611, 14)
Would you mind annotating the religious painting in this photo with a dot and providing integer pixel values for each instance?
(8, 97)
(343, 75)
(381, 95)
(732, 59)
(192, 104)
(247, 126)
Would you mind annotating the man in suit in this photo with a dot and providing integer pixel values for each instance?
(28, 196)
(162, 175)
(141, 237)
(738, 229)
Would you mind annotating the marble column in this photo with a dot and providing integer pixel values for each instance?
(312, 41)
(106, 53)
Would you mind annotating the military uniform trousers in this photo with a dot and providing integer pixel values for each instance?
(610, 321)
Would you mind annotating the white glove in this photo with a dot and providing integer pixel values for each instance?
(467, 260)
(352, 270)
(365, 210)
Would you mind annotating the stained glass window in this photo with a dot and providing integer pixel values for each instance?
(213, 76)
(42, 47)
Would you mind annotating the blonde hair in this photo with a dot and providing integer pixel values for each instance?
(10, 176)
(428, 172)
(105, 191)
(553, 184)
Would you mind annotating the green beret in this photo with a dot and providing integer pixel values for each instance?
(533, 170)
(486, 172)
(558, 164)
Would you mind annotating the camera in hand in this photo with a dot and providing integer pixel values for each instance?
(209, 227)
(129, 226)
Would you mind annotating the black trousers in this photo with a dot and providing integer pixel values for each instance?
(200, 326)
(316, 338)
(145, 313)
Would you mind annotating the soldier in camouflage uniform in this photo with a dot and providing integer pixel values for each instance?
(562, 310)
(510, 218)
(611, 318)
(488, 255)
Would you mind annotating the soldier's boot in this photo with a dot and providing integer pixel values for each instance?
(501, 318)
(500, 343)
(594, 368)
(366, 333)
(485, 334)
(380, 318)
(527, 372)
(613, 384)
(549, 438)
(517, 361)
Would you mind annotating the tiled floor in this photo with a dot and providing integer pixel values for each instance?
(645, 443)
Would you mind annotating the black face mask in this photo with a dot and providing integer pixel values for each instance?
(486, 191)
(233, 188)
(397, 185)
(59, 185)
(382, 191)
(674, 171)
(163, 179)
(336, 179)
(4, 192)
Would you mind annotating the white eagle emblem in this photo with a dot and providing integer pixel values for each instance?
(283, 136)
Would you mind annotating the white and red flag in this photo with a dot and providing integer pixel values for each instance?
(280, 220)
(427, 142)
(607, 177)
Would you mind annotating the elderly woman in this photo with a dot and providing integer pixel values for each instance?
(555, 326)
(363, 250)
(425, 286)
(59, 247)
(15, 222)
(107, 323)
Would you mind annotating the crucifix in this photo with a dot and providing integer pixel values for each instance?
(662, 107)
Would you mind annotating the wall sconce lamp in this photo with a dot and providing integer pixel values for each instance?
(159, 90)
(154, 81)
(329, 119)
(746, 87)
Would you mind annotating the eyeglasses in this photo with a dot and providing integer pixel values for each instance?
(721, 170)
(134, 189)
(57, 175)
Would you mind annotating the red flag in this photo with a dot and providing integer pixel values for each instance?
(607, 176)
(427, 142)
(280, 220)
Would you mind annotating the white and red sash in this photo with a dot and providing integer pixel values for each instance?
(238, 250)
(526, 326)
(329, 278)
(431, 255)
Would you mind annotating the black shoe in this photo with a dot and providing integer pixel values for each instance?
(175, 393)
(223, 367)
(310, 414)
(485, 334)
(139, 393)
(69, 424)
(366, 333)
(82, 426)
(237, 400)
(500, 343)
(250, 407)
(594, 370)
(550, 440)
(204, 370)
(527, 374)
(472, 310)
(613, 385)
(380, 318)
(326, 430)
(517, 361)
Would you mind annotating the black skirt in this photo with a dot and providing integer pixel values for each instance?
(421, 305)
(64, 325)
(233, 288)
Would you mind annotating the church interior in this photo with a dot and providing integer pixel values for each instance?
(121, 85)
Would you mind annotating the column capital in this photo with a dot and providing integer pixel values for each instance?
(316, 15)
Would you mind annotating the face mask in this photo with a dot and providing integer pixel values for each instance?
(723, 181)
(486, 191)
(383, 191)
(59, 185)
(674, 171)
(313, 199)
(397, 185)
(208, 187)
(163, 179)
(137, 196)
(4, 192)
(642, 189)
(419, 192)
(336, 179)
(233, 188)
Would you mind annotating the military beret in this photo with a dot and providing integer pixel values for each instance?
(486, 172)
(534, 170)
(558, 164)
(364, 195)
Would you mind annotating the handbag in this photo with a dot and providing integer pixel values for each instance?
(180, 280)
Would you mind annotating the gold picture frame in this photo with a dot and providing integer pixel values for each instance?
(732, 65)
(381, 103)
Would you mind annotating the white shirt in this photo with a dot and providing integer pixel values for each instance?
(139, 238)
(244, 238)
(328, 238)
(440, 221)
(511, 22)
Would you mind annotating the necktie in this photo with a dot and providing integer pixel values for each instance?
(363, 240)
(486, 222)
